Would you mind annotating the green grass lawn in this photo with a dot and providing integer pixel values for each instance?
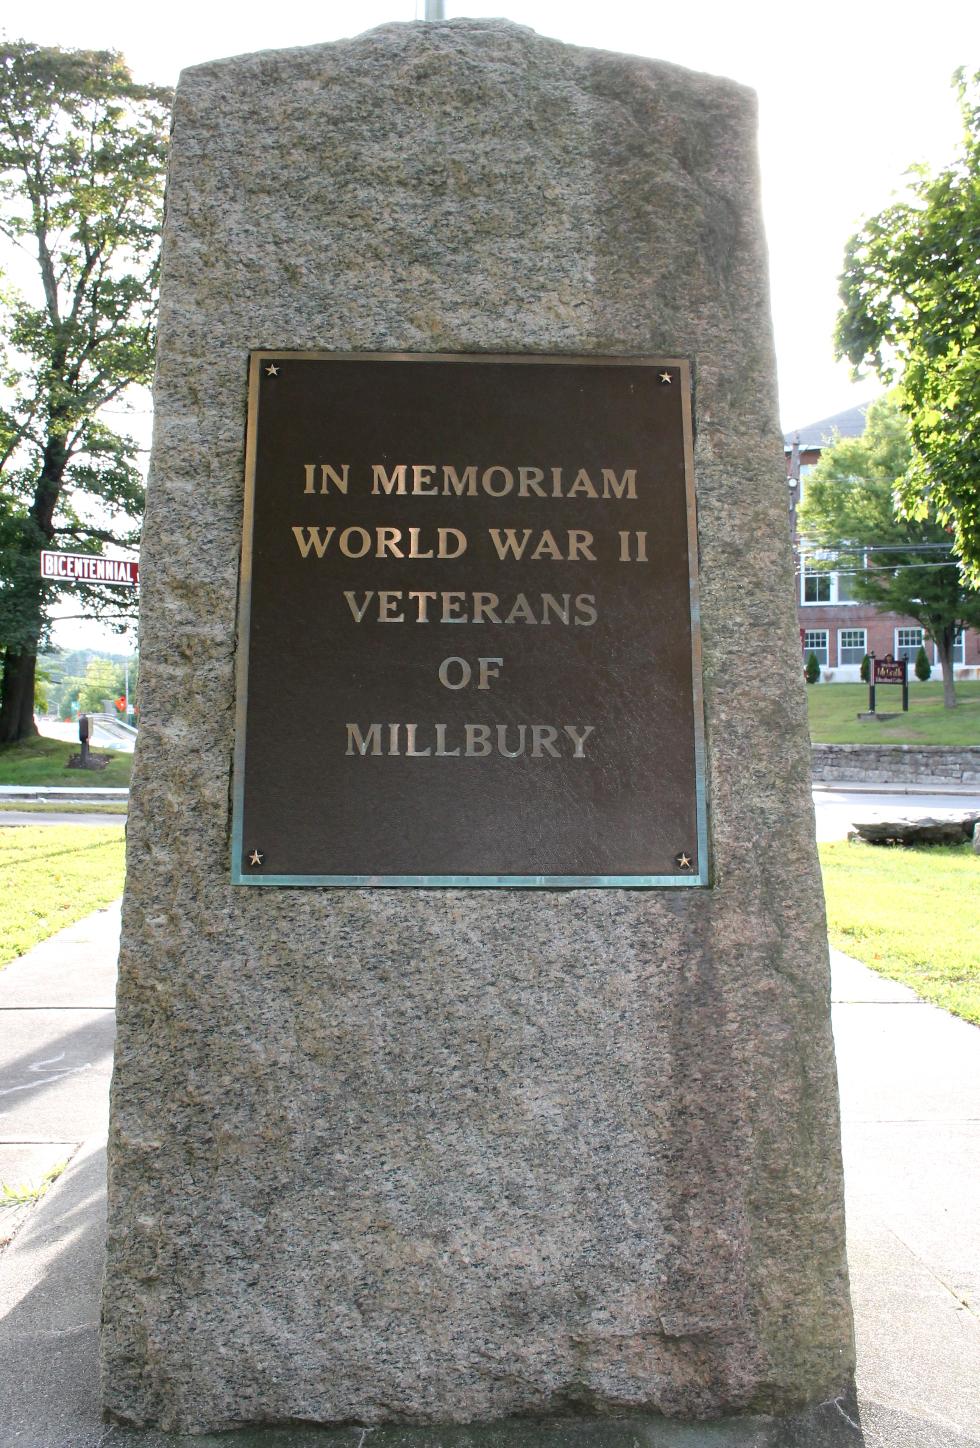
(910, 914)
(834, 709)
(53, 875)
(45, 761)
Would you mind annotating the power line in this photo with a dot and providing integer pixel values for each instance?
(893, 568)
(845, 546)
(899, 547)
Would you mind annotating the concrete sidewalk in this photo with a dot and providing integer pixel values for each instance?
(57, 1026)
(910, 1087)
(57, 1023)
(910, 1105)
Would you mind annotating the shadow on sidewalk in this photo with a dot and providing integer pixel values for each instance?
(50, 1284)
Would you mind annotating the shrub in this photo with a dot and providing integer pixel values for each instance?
(812, 669)
(923, 668)
(866, 669)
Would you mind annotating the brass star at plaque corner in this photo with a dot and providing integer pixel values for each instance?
(272, 370)
(666, 377)
(684, 861)
(256, 857)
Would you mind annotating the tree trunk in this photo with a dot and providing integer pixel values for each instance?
(944, 648)
(20, 662)
(17, 696)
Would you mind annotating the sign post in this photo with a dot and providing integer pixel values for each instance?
(83, 738)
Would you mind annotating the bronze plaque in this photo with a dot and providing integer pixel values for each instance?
(468, 650)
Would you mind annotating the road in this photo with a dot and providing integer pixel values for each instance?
(68, 731)
(837, 810)
(57, 817)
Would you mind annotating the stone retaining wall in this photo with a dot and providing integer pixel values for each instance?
(894, 764)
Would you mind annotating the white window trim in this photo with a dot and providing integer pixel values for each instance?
(835, 590)
(809, 649)
(907, 628)
(840, 646)
(834, 601)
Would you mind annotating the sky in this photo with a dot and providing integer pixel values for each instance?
(850, 95)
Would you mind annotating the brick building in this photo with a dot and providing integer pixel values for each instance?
(833, 624)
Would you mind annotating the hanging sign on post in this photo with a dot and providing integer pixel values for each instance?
(889, 670)
(89, 568)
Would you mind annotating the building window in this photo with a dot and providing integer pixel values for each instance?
(816, 588)
(820, 586)
(845, 588)
(815, 642)
(908, 642)
(852, 645)
(959, 649)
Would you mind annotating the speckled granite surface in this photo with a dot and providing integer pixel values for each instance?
(444, 1156)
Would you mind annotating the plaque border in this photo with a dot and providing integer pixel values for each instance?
(256, 357)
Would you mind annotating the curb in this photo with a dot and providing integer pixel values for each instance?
(937, 786)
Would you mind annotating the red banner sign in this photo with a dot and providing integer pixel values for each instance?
(90, 568)
(889, 670)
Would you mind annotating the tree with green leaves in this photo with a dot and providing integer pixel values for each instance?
(103, 680)
(82, 156)
(911, 313)
(901, 564)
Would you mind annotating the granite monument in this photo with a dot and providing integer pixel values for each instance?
(434, 1153)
